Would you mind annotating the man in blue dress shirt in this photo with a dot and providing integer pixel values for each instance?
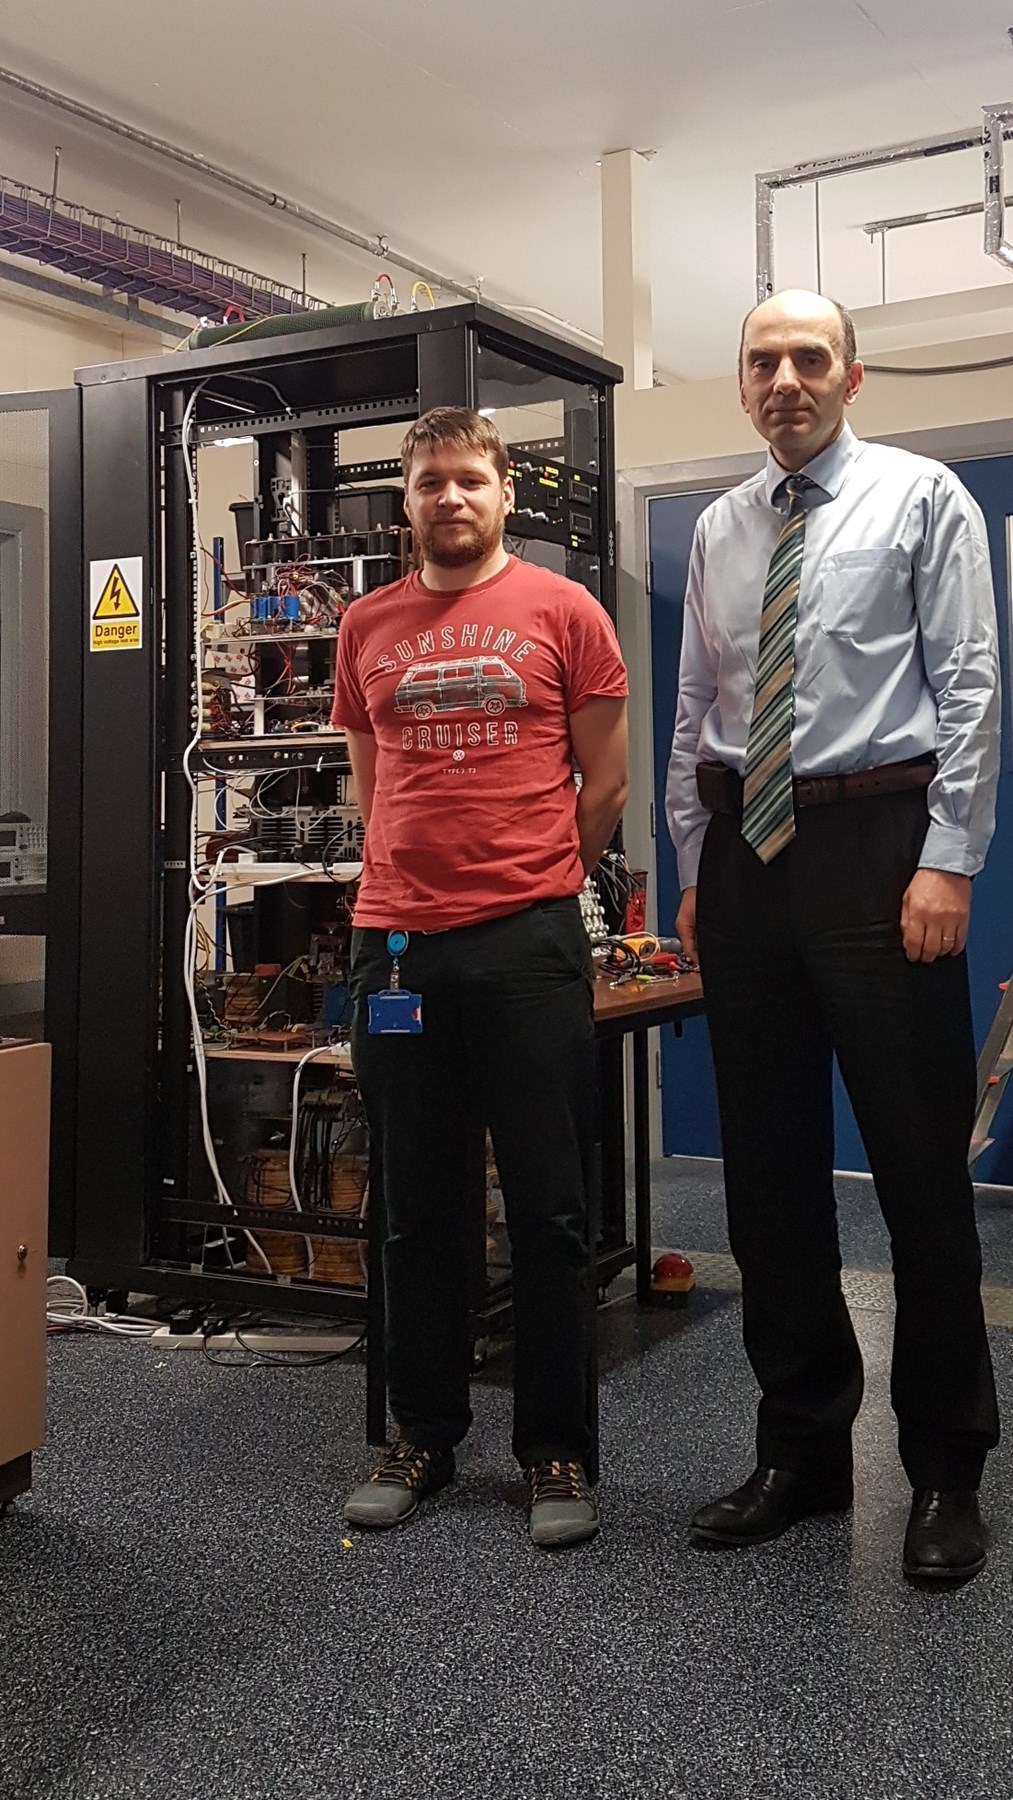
(831, 795)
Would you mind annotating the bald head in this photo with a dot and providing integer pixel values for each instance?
(798, 371)
(802, 307)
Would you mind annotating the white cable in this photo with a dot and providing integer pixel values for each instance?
(77, 1298)
(199, 890)
(67, 1306)
(191, 483)
(202, 884)
(266, 781)
(320, 1050)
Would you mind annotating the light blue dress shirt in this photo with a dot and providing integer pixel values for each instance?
(895, 648)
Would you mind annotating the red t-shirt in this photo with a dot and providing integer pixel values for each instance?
(467, 695)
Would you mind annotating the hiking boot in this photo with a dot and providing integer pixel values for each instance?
(561, 1505)
(392, 1494)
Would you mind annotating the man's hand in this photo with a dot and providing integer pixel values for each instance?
(935, 915)
(685, 923)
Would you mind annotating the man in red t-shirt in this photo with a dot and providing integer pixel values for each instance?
(468, 692)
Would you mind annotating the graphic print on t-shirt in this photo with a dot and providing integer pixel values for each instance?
(480, 683)
(480, 676)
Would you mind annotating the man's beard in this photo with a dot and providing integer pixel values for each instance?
(455, 549)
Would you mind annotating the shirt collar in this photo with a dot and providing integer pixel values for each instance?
(828, 470)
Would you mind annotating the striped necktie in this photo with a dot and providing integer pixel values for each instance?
(768, 816)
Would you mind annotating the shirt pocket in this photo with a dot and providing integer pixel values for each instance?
(865, 593)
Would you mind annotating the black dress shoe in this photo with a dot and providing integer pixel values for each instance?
(945, 1537)
(768, 1504)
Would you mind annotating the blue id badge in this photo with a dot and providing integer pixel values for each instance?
(395, 1010)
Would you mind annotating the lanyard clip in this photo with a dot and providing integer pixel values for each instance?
(397, 944)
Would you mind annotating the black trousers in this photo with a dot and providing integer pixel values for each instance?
(508, 1044)
(801, 959)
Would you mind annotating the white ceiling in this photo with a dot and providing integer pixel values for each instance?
(469, 134)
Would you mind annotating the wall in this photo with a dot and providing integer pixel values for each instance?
(694, 420)
(42, 343)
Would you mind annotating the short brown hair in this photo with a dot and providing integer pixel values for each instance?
(455, 425)
(849, 340)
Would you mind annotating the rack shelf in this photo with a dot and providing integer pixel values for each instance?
(224, 1053)
(309, 636)
(248, 874)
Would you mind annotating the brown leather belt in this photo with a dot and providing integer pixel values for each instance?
(720, 789)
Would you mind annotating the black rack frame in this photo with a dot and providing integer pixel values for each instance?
(134, 1142)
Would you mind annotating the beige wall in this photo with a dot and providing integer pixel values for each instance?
(42, 343)
(225, 473)
(694, 420)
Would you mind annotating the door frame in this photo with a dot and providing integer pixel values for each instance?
(53, 913)
(635, 488)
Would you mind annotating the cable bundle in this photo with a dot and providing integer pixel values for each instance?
(639, 957)
(68, 1309)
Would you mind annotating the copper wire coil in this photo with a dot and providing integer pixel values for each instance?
(335, 1260)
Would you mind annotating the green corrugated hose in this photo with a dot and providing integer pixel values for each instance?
(323, 318)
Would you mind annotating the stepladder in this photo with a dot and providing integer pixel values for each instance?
(995, 1065)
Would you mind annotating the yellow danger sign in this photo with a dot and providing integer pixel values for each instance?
(115, 589)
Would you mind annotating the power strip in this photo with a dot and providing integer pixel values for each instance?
(271, 1343)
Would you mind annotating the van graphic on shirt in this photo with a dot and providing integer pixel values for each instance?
(476, 683)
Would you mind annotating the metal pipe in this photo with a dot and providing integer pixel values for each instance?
(764, 238)
(56, 183)
(214, 172)
(996, 123)
(876, 227)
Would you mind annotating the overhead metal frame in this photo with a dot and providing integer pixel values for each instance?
(997, 126)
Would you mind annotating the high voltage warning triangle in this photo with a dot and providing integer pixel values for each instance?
(116, 601)
(114, 591)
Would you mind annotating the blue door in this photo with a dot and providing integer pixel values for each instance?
(689, 1108)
